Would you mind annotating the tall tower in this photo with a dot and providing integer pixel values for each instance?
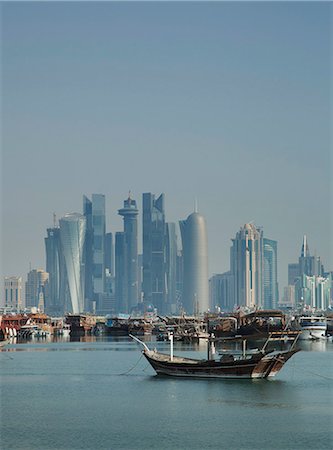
(35, 287)
(271, 291)
(154, 252)
(88, 254)
(55, 267)
(129, 213)
(94, 251)
(195, 297)
(121, 306)
(171, 266)
(246, 257)
(72, 236)
(13, 292)
(309, 265)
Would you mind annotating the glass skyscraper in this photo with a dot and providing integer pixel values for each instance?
(246, 258)
(271, 291)
(130, 255)
(94, 251)
(171, 265)
(195, 297)
(154, 252)
(55, 267)
(72, 236)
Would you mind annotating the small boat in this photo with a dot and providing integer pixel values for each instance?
(312, 327)
(262, 363)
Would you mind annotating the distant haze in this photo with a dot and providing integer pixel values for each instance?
(225, 102)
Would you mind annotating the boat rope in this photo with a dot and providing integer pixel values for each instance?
(133, 367)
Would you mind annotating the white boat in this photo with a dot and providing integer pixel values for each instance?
(312, 327)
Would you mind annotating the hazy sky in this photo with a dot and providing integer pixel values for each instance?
(226, 102)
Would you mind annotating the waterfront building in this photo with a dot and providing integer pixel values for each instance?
(94, 251)
(171, 267)
(293, 273)
(13, 292)
(246, 257)
(36, 289)
(314, 291)
(55, 267)
(195, 296)
(130, 255)
(154, 252)
(288, 300)
(307, 266)
(221, 291)
(179, 280)
(72, 236)
(271, 290)
(109, 299)
(120, 267)
(109, 254)
(88, 254)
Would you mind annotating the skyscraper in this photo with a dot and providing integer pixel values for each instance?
(271, 290)
(72, 236)
(109, 255)
(154, 252)
(195, 298)
(36, 288)
(221, 291)
(130, 294)
(246, 258)
(55, 267)
(309, 265)
(121, 306)
(13, 292)
(171, 266)
(88, 254)
(94, 251)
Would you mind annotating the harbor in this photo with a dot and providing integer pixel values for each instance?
(256, 324)
(87, 390)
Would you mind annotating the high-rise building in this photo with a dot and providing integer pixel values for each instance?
(154, 252)
(171, 267)
(246, 257)
(72, 236)
(293, 273)
(88, 254)
(55, 267)
(307, 266)
(314, 291)
(130, 276)
(109, 254)
(36, 289)
(121, 306)
(221, 291)
(288, 297)
(13, 292)
(179, 280)
(271, 290)
(94, 251)
(195, 297)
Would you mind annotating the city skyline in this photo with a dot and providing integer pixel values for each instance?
(228, 103)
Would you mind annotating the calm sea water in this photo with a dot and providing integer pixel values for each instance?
(99, 394)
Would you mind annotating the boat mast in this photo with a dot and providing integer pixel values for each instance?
(171, 345)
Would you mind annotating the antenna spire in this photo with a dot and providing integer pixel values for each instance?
(195, 205)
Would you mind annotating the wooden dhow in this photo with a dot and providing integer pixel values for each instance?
(263, 363)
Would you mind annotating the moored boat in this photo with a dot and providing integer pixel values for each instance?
(312, 327)
(262, 363)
